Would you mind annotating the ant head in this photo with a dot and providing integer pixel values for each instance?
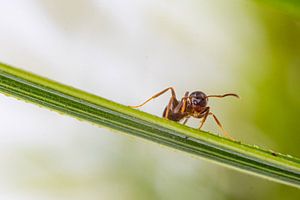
(198, 99)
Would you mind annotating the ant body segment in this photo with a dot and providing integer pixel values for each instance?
(190, 105)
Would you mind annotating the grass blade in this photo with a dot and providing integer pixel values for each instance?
(84, 106)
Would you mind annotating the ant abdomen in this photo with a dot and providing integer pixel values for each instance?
(172, 115)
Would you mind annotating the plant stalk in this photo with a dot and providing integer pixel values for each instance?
(105, 113)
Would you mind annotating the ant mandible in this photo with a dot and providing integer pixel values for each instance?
(190, 105)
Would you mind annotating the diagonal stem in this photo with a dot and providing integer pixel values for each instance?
(84, 106)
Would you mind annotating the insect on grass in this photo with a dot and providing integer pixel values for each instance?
(191, 105)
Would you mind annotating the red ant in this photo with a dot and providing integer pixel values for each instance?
(193, 105)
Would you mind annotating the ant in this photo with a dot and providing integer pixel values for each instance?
(190, 105)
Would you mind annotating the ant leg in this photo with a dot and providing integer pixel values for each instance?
(205, 117)
(169, 107)
(184, 100)
(185, 121)
(179, 108)
(182, 104)
(156, 95)
(221, 127)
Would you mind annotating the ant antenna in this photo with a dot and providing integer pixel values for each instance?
(224, 95)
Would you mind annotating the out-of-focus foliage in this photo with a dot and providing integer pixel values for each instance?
(248, 47)
(274, 73)
(291, 7)
(273, 98)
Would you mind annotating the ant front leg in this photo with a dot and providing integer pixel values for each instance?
(181, 106)
(206, 111)
(186, 119)
(157, 95)
(221, 127)
(216, 120)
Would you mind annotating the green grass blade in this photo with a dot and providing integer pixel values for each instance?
(84, 106)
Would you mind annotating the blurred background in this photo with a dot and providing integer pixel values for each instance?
(126, 51)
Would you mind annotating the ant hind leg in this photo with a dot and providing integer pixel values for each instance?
(157, 95)
(168, 108)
